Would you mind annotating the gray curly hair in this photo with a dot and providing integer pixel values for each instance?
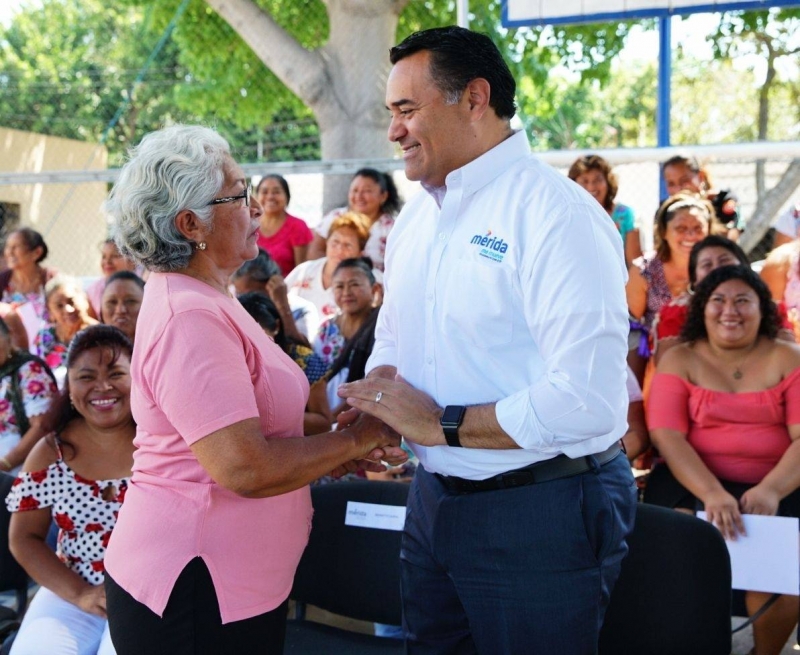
(174, 169)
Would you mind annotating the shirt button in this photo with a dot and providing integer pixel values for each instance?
(429, 297)
(429, 361)
(442, 236)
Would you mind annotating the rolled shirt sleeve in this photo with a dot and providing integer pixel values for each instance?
(574, 307)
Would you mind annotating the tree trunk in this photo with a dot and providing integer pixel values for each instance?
(768, 206)
(343, 83)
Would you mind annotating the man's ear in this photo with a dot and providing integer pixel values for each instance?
(478, 93)
(190, 226)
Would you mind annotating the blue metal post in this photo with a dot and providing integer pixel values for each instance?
(664, 96)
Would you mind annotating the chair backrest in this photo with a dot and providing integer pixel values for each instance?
(674, 591)
(348, 570)
(12, 575)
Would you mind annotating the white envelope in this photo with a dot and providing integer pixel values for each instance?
(768, 558)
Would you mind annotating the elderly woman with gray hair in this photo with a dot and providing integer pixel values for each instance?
(218, 511)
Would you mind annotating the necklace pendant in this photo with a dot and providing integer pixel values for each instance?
(737, 374)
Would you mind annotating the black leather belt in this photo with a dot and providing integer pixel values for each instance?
(560, 466)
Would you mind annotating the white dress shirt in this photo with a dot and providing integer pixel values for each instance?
(507, 287)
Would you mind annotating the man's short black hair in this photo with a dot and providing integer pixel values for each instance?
(459, 56)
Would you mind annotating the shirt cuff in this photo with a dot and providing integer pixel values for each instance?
(515, 415)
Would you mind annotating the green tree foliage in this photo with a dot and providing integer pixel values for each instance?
(619, 113)
(68, 66)
(774, 36)
(231, 83)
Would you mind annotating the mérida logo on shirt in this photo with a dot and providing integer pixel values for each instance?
(491, 247)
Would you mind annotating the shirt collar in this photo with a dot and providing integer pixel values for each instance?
(484, 169)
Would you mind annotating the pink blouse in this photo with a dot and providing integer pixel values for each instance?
(201, 363)
(739, 436)
(280, 246)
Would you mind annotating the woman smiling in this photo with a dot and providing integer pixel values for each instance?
(724, 414)
(77, 477)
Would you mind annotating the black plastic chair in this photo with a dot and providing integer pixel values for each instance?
(674, 591)
(350, 571)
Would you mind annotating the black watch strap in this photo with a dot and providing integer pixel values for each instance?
(450, 421)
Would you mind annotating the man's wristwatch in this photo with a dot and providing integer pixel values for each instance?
(450, 421)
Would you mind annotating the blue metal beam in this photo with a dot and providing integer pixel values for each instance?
(664, 106)
(638, 14)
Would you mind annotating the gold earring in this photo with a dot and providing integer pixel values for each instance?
(202, 245)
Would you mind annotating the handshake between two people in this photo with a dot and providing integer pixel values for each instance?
(382, 408)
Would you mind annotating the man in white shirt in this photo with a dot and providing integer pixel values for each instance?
(500, 356)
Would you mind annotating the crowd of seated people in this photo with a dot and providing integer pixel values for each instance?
(714, 346)
(313, 280)
(719, 354)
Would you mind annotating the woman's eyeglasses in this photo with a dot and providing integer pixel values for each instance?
(244, 195)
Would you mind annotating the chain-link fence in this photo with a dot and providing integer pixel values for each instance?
(66, 206)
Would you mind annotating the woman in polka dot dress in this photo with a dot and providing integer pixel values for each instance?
(77, 477)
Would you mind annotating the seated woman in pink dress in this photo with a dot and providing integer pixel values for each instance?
(218, 510)
(283, 236)
(724, 414)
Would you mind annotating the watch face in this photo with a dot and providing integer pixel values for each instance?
(453, 414)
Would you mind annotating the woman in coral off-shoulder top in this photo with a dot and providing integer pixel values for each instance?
(725, 415)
